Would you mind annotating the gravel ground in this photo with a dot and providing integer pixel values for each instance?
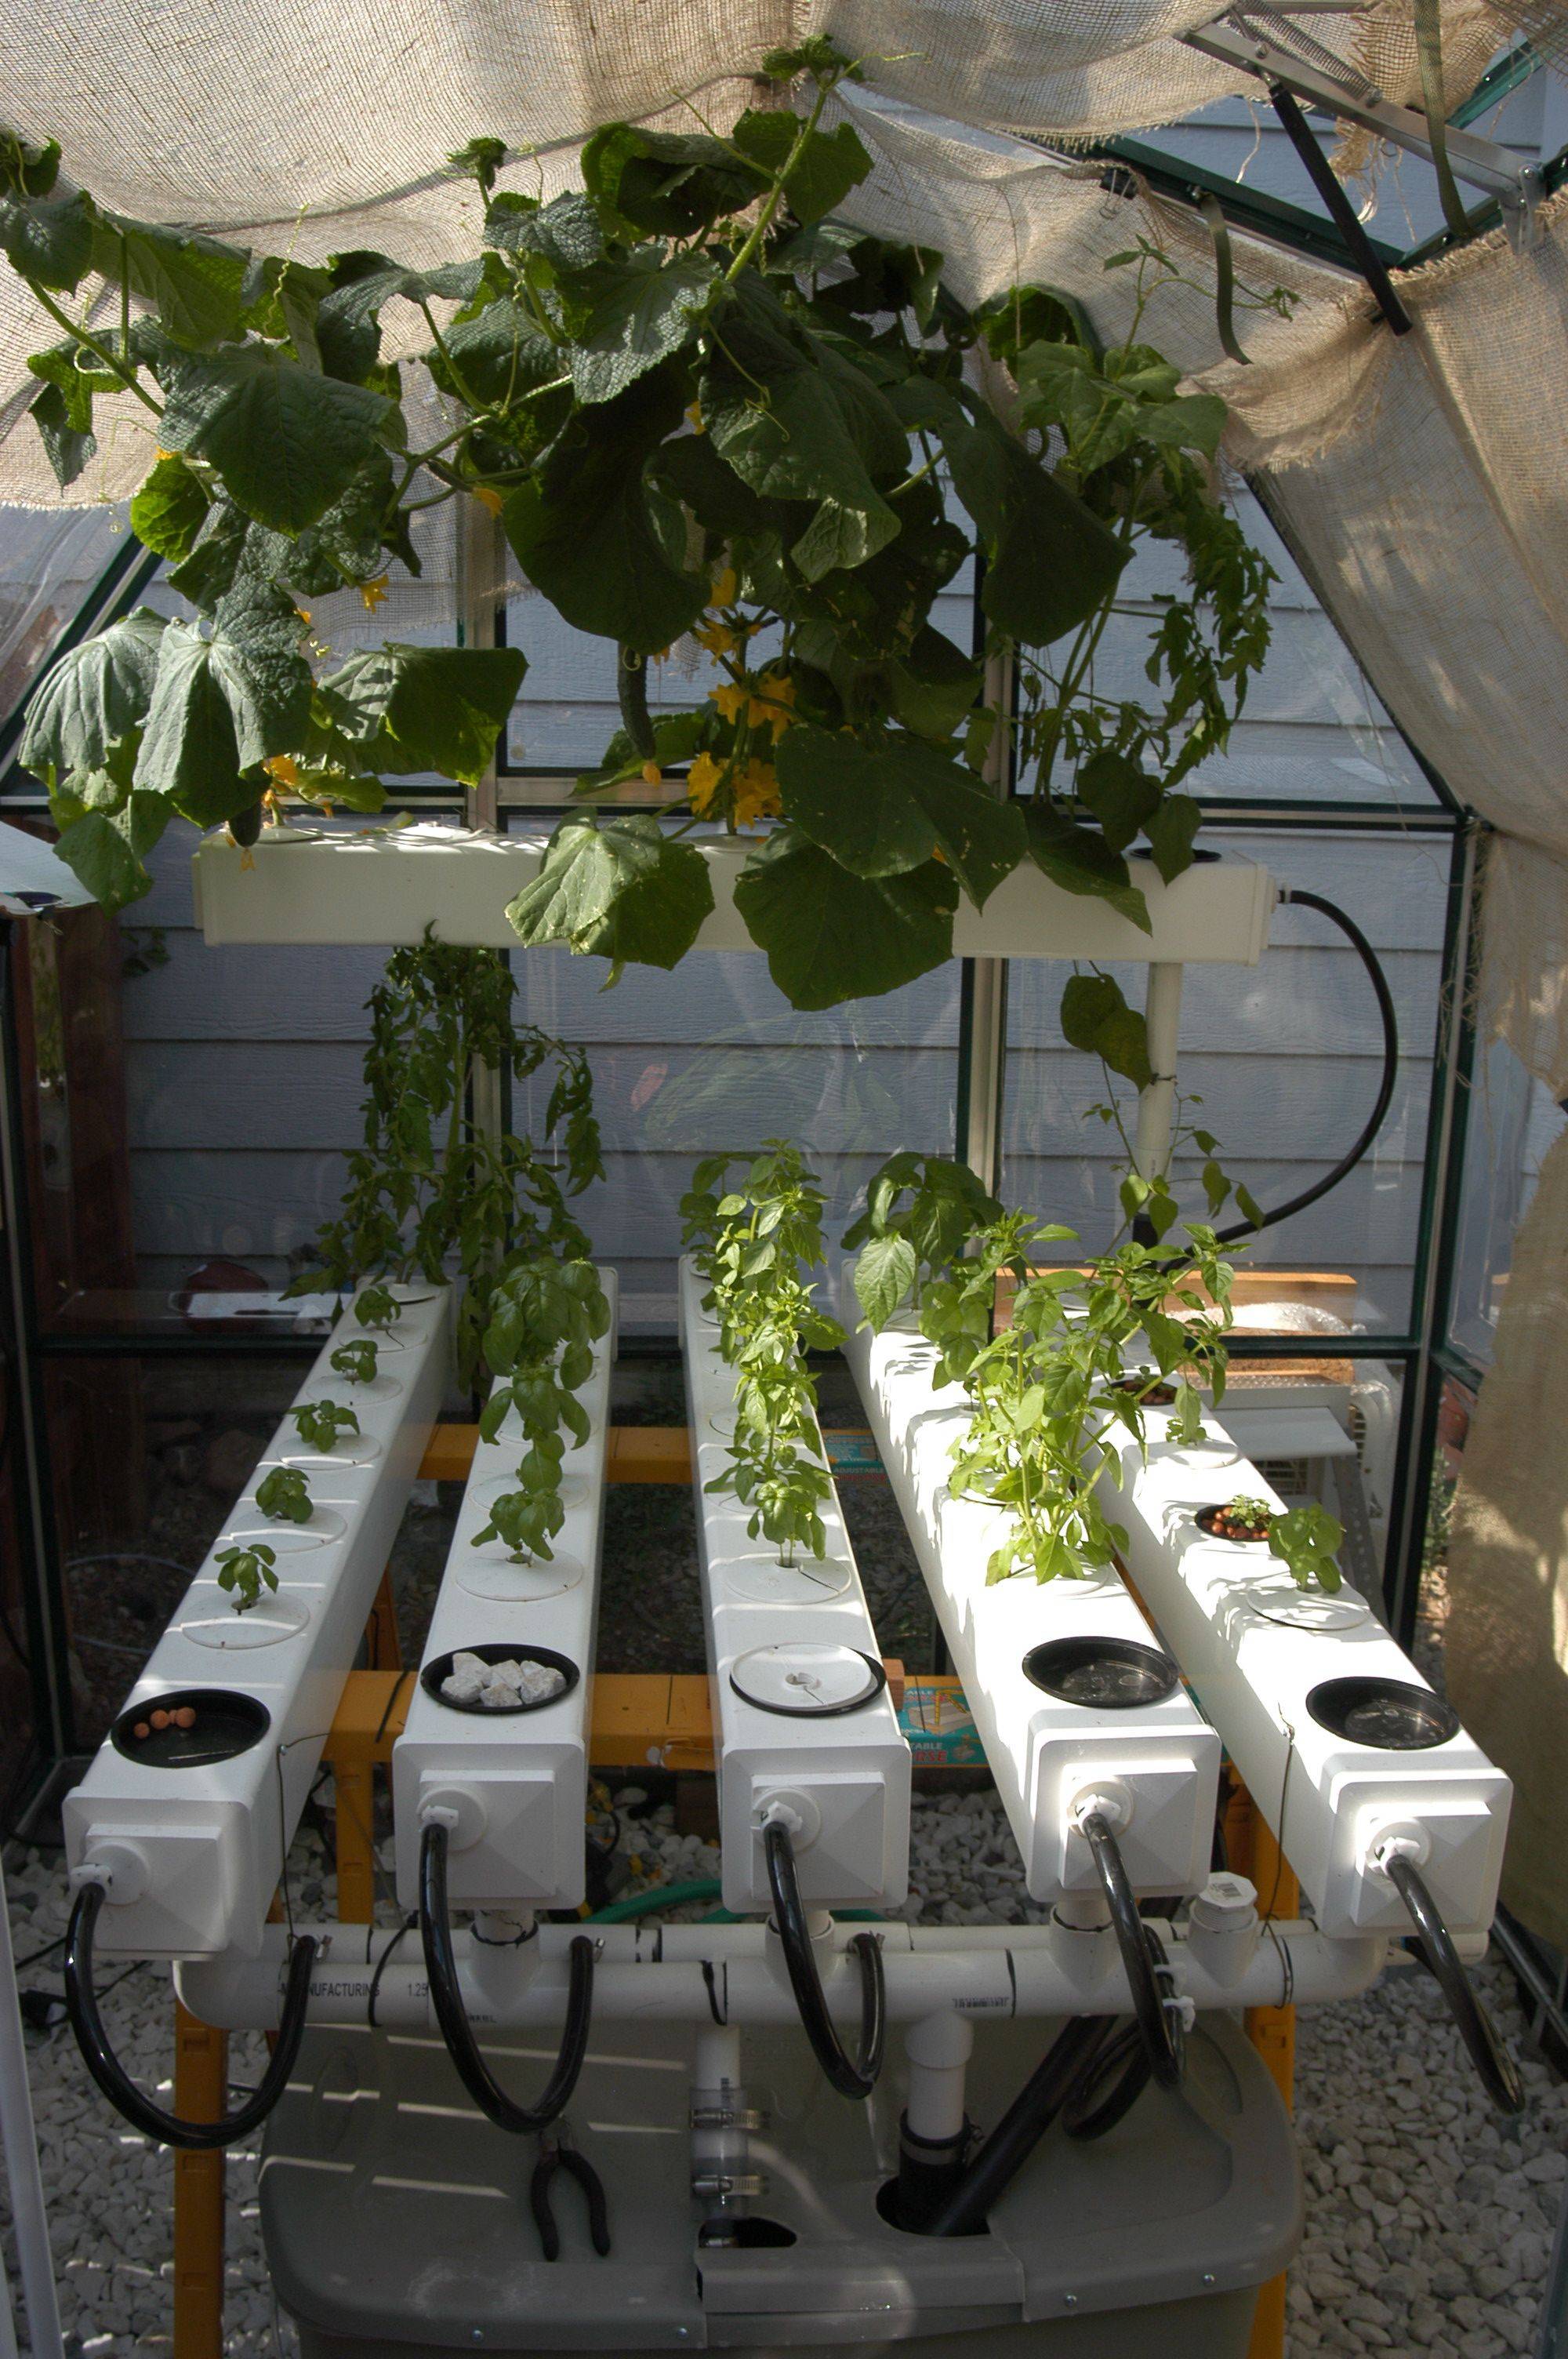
(1429, 2222)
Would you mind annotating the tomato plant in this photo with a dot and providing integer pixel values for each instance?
(432, 1192)
(545, 1317)
(702, 406)
(752, 1241)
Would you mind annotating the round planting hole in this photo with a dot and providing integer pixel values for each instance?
(490, 1572)
(224, 1722)
(285, 1538)
(805, 1680)
(765, 1580)
(1103, 1674)
(351, 1450)
(212, 1622)
(1151, 1390)
(499, 1650)
(1388, 1714)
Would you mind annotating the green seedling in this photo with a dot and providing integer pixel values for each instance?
(356, 1361)
(378, 1307)
(243, 1572)
(1306, 1540)
(320, 1422)
(285, 1495)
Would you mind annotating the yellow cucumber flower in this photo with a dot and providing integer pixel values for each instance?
(488, 498)
(731, 698)
(717, 637)
(283, 770)
(702, 782)
(374, 593)
(775, 691)
(756, 794)
(724, 588)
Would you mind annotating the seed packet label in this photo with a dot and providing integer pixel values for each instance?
(938, 1725)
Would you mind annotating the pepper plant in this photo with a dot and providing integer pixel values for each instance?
(355, 1361)
(284, 1495)
(243, 1571)
(320, 1422)
(1051, 1408)
(545, 1317)
(752, 1241)
(699, 404)
(433, 1191)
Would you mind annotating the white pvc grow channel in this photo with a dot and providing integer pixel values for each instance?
(194, 1849)
(515, 1783)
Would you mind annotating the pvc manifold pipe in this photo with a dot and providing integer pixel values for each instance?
(1157, 1762)
(191, 1851)
(647, 1976)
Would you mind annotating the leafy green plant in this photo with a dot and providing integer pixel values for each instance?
(752, 1241)
(699, 404)
(921, 1211)
(1307, 1539)
(355, 1360)
(284, 1494)
(1051, 1408)
(320, 1422)
(432, 1191)
(243, 1571)
(545, 1317)
(377, 1306)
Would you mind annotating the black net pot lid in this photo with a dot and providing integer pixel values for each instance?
(1104, 1674)
(1391, 1715)
(808, 1679)
(499, 1650)
(227, 1723)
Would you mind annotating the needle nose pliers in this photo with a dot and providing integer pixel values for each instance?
(557, 2153)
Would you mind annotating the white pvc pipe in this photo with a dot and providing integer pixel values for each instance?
(23, 2174)
(1022, 1977)
(1157, 1103)
(939, 2048)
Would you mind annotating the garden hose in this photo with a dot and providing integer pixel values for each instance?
(1140, 1959)
(445, 1997)
(852, 2076)
(167, 2129)
(1373, 1122)
(1499, 2072)
(659, 1896)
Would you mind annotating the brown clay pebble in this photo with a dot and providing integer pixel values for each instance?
(160, 1720)
(186, 1716)
(141, 1730)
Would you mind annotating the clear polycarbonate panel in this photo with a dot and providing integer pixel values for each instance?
(1513, 1120)
(1281, 1063)
(51, 560)
(712, 1057)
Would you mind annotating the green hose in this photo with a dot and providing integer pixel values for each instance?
(662, 1896)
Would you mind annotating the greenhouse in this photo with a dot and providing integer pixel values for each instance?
(784, 1037)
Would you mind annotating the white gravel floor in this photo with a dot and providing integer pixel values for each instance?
(1429, 2222)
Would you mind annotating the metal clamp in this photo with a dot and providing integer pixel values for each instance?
(729, 2118)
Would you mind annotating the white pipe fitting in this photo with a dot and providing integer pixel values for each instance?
(938, 2048)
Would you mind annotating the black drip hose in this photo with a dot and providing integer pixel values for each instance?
(1021, 2128)
(1159, 2043)
(1120, 2069)
(81, 2004)
(445, 1997)
(1373, 1122)
(1499, 2072)
(852, 2076)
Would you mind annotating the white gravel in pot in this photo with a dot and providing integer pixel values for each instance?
(1428, 2221)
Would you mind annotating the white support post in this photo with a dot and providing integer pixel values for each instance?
(1157, 1103)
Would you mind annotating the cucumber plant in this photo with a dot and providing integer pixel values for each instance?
(284, 1495)
(545, 1317)
(700, 405)
(752, 1240)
